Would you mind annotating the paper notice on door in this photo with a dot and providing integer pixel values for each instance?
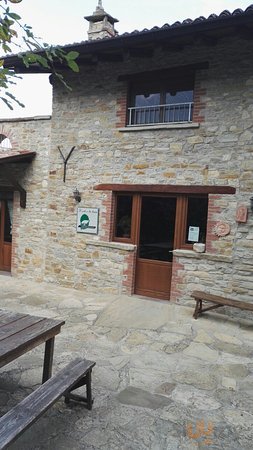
(193, 234)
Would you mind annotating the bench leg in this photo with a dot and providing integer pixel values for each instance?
(88, 391)
(85, 381)
(48, 360)
(198, 308)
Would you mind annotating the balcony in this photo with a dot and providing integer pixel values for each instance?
(160, 114)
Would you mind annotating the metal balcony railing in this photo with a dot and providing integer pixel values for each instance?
(160, 114)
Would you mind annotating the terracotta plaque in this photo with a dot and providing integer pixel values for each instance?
(222, 229)
(242, 214)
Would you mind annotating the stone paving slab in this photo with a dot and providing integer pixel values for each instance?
(145, 314)
(162, 380)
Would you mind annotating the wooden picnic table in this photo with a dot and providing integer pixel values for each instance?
(20, 333)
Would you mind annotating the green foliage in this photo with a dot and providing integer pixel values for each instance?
(36, 53)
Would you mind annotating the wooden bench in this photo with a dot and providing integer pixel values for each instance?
(219, 301)
(25, 413)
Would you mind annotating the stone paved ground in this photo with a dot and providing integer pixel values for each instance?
(163, 381)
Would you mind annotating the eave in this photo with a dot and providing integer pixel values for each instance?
(173, 37)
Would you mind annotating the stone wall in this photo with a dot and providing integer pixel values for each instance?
(218, 151)
(30, 224)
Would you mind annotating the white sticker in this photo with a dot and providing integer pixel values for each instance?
(193, 234)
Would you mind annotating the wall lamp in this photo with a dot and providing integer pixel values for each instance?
(77, 195)
(251, 204)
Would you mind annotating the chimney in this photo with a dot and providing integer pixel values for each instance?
(101, 24)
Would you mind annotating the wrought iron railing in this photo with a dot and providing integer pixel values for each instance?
(160, 114)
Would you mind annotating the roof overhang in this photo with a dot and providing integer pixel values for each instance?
(20, 157)
(176, 36)
(163, 73)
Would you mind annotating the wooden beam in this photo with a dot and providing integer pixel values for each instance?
(87, 62)
(166, 189)
(209, 41)
(17, 158)
(6, 188)
(17, 187)
(172, 47)
(245, 33)
(140, 52)
(109, 57)
(171, 71)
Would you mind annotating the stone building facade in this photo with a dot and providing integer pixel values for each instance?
(209, 157)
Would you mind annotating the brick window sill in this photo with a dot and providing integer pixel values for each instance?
(170, 126)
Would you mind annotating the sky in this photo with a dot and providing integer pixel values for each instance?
(62, 22)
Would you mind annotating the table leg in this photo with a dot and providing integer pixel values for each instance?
(198, 308)
(48, 359)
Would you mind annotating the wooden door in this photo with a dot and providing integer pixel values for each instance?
(5, 234)
(155, 242)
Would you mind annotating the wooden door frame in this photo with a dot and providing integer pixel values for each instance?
(180, 221)
(180, 216)
(136, 226)
(2, 217)
(3, 244)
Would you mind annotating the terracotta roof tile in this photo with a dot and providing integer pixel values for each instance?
(187, 22)
(87, 46)
(222, 15)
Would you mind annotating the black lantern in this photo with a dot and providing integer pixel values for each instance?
(77, 195)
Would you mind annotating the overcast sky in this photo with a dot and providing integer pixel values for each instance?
(62, 22)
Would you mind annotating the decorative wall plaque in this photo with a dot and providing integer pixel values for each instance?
(87, 220)
(222, 229)
(242, 214)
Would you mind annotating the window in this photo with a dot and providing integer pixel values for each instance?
(136, 214)
(173, 95)
(196, 220)
(123, 218)
(5, 142)
(168, 100)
